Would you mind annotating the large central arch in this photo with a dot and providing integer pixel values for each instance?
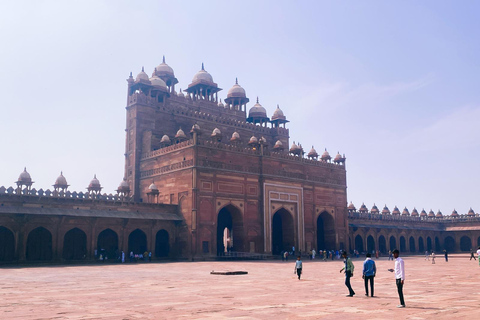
(283, 234)
(230, 231)
(325, 232)
(137, 241)
(162, 245)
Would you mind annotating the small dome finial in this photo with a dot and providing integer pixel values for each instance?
(257, 99)
(203, 67)
(236, 80)
(163, 61)
(143, 69)
(131, 75)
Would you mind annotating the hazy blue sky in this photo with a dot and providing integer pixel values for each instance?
(393, 85)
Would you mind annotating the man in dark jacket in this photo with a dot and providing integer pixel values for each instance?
(369, 270)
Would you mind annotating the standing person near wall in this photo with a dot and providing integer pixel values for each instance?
(369, 270)
(349, 267)
(399, 276)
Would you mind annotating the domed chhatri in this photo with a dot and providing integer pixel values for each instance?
(24, 179)
(471, 213)
(431, 214)
(278, 146)
(405, 212)
(423, 213)
(385, 210)
(439, 214)
(295, 149)
(142, 77)
(165, 139)
(195, 129)
(363, 208)
(61, 182)
(351, 207)
(158, 83)
(455, 213)
(124, 188)
(396, 211)
(216, 135)
(164, 69)
(202, 76)
(180, 136)
(165, 72)
(326, 156)
(236, 91)
(374, 209)
(235, 137)
(414, 212)
(94, 185)
(278, 118)
(253, 142)
(258, 114)
(312, 154)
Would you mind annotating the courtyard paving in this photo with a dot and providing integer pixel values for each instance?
(270, 290)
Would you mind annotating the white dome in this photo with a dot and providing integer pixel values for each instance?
(61, 181)
(202, 75)
(278, 114)
(153, 186)
(220, 104)
(253, 139)
(216, 131)
(164, 68)
(180, 134)
(157, 82)
(236, 135)
(257, 111)
(180, 94)
(278, 144)
(94, 182)
(142, 76)
(25, 176)
(236, 91)
(165, 139)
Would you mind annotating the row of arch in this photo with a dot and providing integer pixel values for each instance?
(39, 245)
(230, 231)
(423, 244)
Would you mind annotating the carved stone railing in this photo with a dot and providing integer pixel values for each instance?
(167, 168)
(403, 218)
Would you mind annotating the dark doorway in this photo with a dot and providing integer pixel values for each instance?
(478, 242)
(107, 243)
(412, 244)
(449, 244)
(382, 244)
(370, 244)
(403, 244)
(359, 243)
(429, 244)
(39, 245)
(229, 230)
(438, 247)
(465, 243)
(393, 243)
(283, 236)
(137, 242)
(162, 245)
(75, 245)
(325, 232)
(421, 245)
(7, 244)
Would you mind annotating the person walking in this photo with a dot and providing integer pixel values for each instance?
(313, 253)
(390, 256)
(348, 269)
(369, 270)
(433, 257)
(446, 255)
(427, 256)
(298, 267)
(399, 276)
(472, 255)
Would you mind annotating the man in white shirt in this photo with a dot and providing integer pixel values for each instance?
(478, 256)
(399, 276)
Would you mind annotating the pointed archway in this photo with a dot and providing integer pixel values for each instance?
(39, 245)
(230, 233)
(162, 245)
(429, 244)
(325, 232)
(421, 245)
(465, 243)
(7, 244)
(107, 243)
(412, 244)
(393, 243)
(283, 234)
(382, 244)
(403, 244)
(449, 244)
(75, 245)
(137, 242)
(359, 243)
(370, 244)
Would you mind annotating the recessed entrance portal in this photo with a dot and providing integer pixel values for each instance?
(75, 245)
(229, 230)
(429, 244)
(283, 235)
(465, 243)
(39, 245)
(107, 243)
(162, 246)
(412, 244)
(7, 244)
(403, 244)
(325, 232)
(137, 242)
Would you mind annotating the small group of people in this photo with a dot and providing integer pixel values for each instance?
(369, 271)
(134, 257)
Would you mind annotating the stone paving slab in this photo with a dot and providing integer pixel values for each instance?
(270, 290)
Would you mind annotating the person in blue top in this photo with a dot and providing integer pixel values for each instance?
(369, 270)
(298, 267)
